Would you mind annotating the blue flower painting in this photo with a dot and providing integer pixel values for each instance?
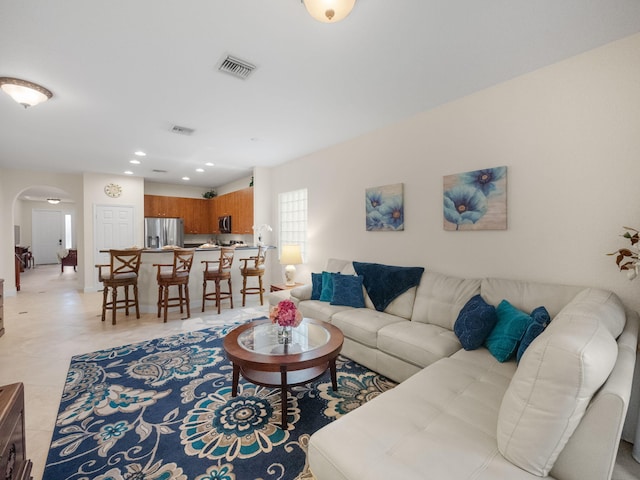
(476, 200)
(384, 207)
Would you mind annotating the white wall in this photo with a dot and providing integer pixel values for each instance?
(569, 136)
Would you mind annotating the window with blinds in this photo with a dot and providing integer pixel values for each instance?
(292, 209)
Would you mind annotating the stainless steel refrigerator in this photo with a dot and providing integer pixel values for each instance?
(159, 232)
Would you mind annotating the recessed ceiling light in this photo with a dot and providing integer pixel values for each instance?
(199, 170)
(186, 178)
(209, 164)
(128, 172)
(135, 162)
(140, 153)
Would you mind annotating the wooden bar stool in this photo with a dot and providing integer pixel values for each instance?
(217, 271)
(253, 267)
(122, 271)
(175, 274)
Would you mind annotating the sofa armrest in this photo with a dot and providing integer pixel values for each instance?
(301, 293)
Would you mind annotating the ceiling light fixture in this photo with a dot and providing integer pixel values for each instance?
(135, 162)
(199, 170)
(53, 201)
(25, 93)
(128, 172)
(329, 11)
(140, 153)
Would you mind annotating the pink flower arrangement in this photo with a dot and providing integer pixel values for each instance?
(285, 314)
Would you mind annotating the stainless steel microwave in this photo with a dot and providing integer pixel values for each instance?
(224, 224)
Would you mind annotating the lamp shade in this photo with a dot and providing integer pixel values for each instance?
(25, 93)
(329, 11)
(290, 255)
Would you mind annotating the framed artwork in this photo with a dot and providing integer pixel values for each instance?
(385, 208)
(476, 200)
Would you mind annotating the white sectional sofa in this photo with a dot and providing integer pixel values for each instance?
(461, 414)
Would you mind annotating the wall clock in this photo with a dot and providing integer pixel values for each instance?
(113, 190)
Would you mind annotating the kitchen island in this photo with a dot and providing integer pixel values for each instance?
(148, 286)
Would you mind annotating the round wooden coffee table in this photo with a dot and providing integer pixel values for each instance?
(262, 357)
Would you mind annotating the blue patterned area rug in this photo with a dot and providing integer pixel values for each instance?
(163, 410)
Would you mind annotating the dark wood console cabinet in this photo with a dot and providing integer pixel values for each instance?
(14, 464)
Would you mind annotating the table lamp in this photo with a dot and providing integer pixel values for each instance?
(290, 256)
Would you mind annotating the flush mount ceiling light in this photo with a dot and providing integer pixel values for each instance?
(25, 93)
(53, 201)
(329, 11)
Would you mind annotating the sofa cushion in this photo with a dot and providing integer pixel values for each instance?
(540, 319)
(475, 322)
(316, 286)
(440, 298)
(320, 310)
(347, 290)
(550, 391)
(439, 423)
(503, 340)
(362, 324)
(418, 343)
(528, 295)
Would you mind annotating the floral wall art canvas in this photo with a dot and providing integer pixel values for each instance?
(476, 200)
(385, 208)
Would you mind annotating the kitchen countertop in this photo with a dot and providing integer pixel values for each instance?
(207, 249)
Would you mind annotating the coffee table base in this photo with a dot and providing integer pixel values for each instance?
(284, 379)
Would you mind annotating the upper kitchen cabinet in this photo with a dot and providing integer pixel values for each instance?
(239, 205)
(161, 206)
(196, 212)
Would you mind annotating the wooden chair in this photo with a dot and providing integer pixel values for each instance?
(218, 273)
(122, 271)
(253, 267)
(175, 274)
(71, 260)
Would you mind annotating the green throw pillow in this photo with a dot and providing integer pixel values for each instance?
(326, 295)
(503, 340)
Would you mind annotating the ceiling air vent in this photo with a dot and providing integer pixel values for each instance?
(155, 170)
(236, 67)
(182, 130)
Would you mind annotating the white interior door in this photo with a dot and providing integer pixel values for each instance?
(113, 229)
(47, 235)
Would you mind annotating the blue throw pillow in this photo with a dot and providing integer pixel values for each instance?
(326, 295)
(475, 322)
(347, 290)
(316, 286)
(541, 319)
(503, 340)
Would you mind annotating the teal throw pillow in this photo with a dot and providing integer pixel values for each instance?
(326, 294)
(475, 322)
(540, 319)
(503, 340)
(316, 286)
(347, 291)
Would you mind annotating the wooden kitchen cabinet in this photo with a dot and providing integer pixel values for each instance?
(161, 206)
(194, 211)
(239, 205)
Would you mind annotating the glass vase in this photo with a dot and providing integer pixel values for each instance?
(284, 335)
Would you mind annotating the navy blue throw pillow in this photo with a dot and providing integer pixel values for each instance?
(541, 319)
(475, 322)
(316, 286)
(347, 290)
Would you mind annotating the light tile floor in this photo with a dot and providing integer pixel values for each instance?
(49, 321)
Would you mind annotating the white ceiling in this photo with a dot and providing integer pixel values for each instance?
(124, 72)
